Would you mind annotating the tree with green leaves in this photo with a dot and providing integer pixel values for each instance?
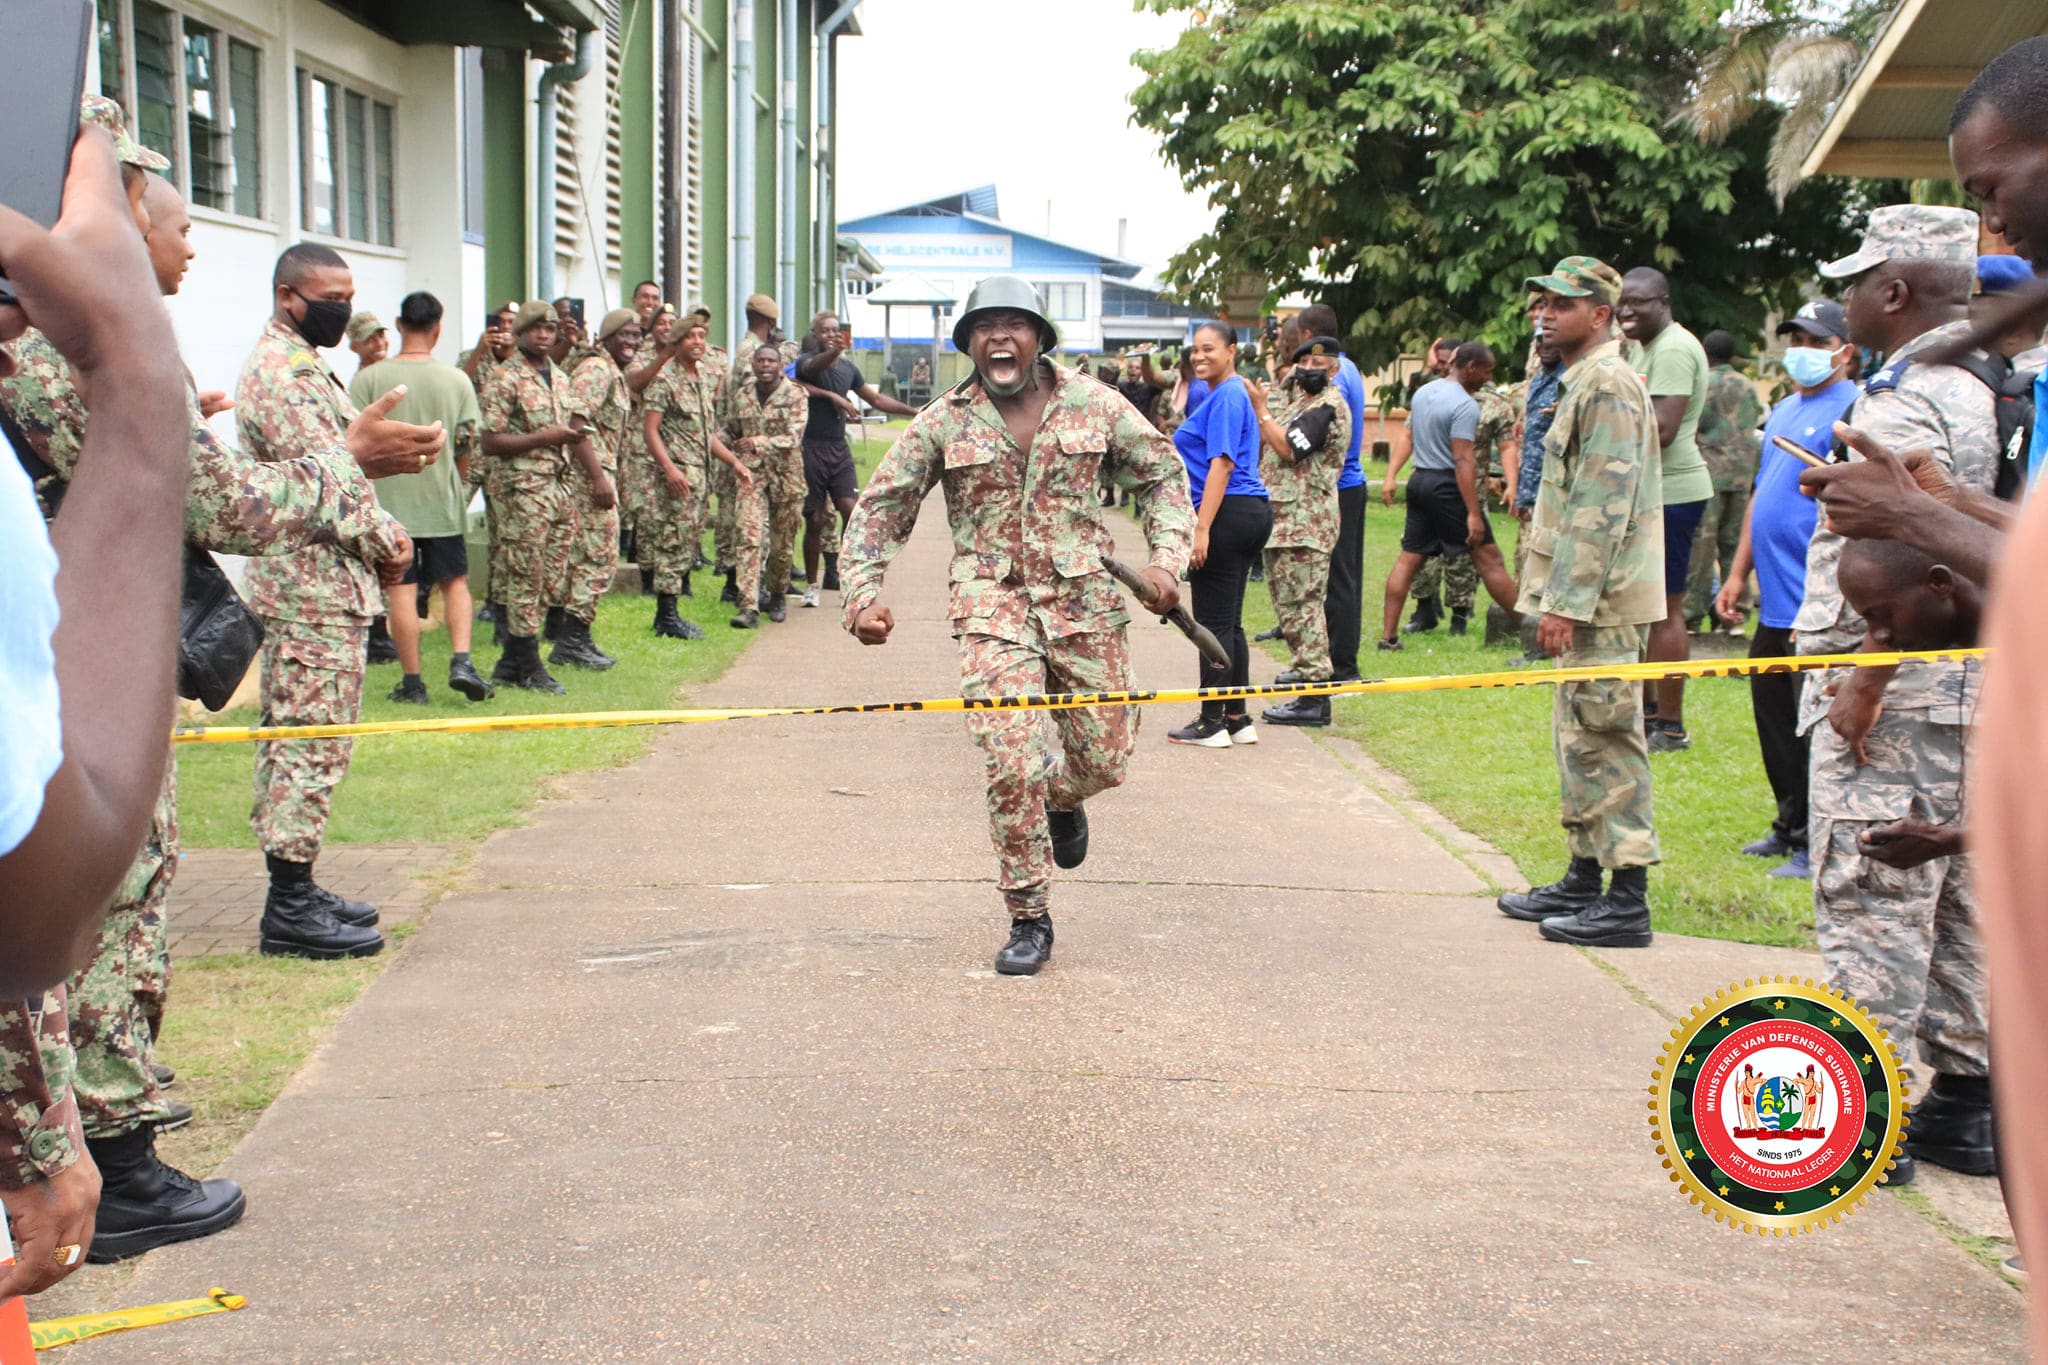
(1412, 162)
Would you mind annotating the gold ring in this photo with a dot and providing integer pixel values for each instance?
(68, 1255)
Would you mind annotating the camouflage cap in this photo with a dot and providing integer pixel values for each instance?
(699, 310)
(101, 112)
(1318, 346)
(611, 322)
(532, 313)
(363, 326)
(1580, 277)
(1911, 232)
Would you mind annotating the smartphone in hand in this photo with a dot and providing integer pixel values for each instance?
(45, 42)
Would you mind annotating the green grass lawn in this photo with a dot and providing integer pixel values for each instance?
(1484, 759)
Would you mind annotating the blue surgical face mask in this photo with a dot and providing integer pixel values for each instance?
(1809, 366)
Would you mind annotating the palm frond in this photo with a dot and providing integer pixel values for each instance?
(1813, 68)
(1731, 82)
(1794, 137)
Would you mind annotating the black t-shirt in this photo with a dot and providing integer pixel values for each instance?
(827, 421)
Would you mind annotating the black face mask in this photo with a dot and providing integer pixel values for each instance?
(1312, 382)
(326, 320)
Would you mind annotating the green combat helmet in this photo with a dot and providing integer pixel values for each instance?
(1005, 291)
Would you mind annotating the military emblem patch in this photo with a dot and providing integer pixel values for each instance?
(1778, 1105)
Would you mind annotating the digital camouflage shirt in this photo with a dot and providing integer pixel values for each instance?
(598, 394)
(692, 407)
(289, 405)
(1729, 435)
(1496, 427)
(1028, 537)
(1596, 537)
(521, 399)
(1302, 484)
(774, 425)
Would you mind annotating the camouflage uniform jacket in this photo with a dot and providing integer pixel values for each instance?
(691, 407)
(39, 1130)
(1596, 538)
(1027, 524)
(288, 404)
(1729, 434)
(236, 505)
(1496, 424)
(1303, 485)
(777, 424)
(598, 394)
(1904, 406)
(521, 399)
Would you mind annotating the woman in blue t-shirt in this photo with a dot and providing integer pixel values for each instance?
(1219, 443)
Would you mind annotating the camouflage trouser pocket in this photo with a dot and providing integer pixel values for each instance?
(1605, 704)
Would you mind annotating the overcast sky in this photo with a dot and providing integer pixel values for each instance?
(934, 89)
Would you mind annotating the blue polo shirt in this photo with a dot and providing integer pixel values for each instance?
(1225, 428)
(1351, 384)
(1781, 518)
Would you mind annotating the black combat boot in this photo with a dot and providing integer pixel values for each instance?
(463, 677)
(145, 1204)
(531, 673)
(1029, 946)
(1312, 712)
(668, 624)
(1621, 918)
(299, 919)
(361, 914)
(552, 628)
(745, 620)
(730, 593)
(647, 582)
(506, 673)
(686, 587)
(778, 609)
(1266, 635)
(831, 583)
(1578, 889)
(574, 647)
(1461, 620)
(1428, 614)
(1069, 829)
(1952, 1125)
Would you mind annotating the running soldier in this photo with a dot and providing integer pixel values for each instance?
(1019, 449)
(765, 425)
(1888, 744)
(1305, 444)
(600, 406)
(1596, 574)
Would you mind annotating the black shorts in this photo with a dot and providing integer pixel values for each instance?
(438, 559)
(828, 474)
(1436, 515)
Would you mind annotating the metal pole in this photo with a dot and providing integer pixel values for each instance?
(551, 81)
(827, 102)
(792, 50)
(743, 154)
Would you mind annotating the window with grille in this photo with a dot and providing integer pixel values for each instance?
(192, 91)
(348, 146)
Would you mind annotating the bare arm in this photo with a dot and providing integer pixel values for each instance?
(1670, 410)
(87, 284)
(884, 402)
(520, 442)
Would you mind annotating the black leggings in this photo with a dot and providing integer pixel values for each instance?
(1235, 542)
(1774, 700)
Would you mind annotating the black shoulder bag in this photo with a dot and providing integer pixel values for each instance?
(218, 636)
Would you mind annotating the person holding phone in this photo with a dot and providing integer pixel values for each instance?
(1219, 446)
(1776, 530)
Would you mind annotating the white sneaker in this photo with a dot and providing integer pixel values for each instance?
(1242, 734)
(810, 597)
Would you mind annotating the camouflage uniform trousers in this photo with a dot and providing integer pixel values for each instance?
(1713, 550)
(635, 465)
(1094, 745)
(311, 675)
(1603, 764)
(725, 523)
(117, 1000)
(536, 524)
(1299, 577)
(1905, 942)
(769, 518)
(671, 528)
(488, 480)
(593, 549)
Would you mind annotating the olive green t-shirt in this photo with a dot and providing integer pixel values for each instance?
(433, 501)
(1675, 366)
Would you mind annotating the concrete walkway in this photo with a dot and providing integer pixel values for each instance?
(709, 1064)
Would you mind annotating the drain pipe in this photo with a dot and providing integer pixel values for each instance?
(792, 48)
(743, 154)
(551, 82)
(826, 98)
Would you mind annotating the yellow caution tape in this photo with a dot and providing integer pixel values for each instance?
(1067, 701)
(64, 1331)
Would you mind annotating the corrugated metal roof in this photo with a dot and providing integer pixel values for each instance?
(1894, 120)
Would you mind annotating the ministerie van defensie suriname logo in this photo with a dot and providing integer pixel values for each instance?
(1778, 1105)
